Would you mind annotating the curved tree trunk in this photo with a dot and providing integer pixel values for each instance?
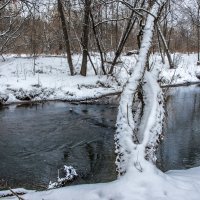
(131, 151)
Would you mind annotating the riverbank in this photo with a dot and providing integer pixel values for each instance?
(48, 79)
(51, 81)
(174, 185)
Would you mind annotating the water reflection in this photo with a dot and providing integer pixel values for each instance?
(37, 140)
(181, 146)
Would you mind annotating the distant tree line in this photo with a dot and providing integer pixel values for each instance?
(88, 26)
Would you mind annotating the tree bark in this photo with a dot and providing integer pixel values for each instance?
(66, 36)
(98, 44)
(85, 40)
(171, 64)
(160, 49)
(129, 27)
(123, 41)
(198, 37)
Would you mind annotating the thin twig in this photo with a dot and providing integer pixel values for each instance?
(15, 194)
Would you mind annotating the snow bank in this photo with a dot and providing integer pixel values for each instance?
(174, 185)
(51, 81)
(185, 71)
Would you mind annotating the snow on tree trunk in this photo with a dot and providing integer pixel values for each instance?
(131, 152)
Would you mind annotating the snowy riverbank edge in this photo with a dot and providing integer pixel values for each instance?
(51, 80)
(173, 185)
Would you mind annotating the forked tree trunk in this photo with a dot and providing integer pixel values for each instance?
(131, 155)
(131, 22)
(125, 36)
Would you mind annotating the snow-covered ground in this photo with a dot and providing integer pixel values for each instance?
(185, 71)
(52, 81)
(152, 184)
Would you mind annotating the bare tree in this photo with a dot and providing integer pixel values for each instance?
(198, 26)
(130, 24)
(11, 22)
(98, 43)
(66, 36)
(85, 39)
(166, 49)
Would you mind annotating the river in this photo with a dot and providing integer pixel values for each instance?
(181, 146)
(37, 140)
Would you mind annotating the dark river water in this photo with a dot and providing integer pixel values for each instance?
(181, 146)
(36, 141)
